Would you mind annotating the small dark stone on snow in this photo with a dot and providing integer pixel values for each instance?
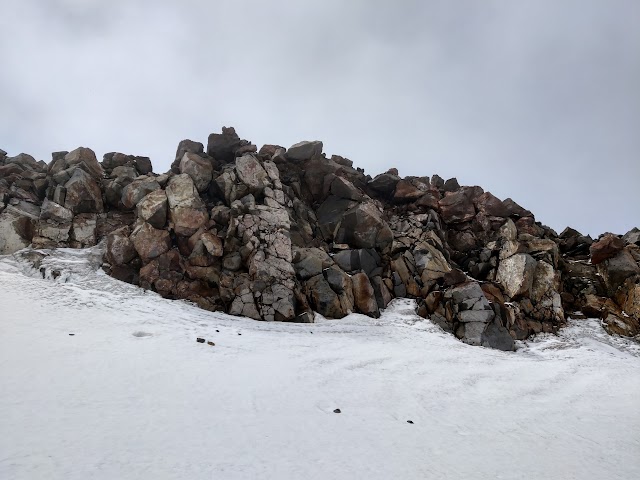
(71, 334)
(239, 334)
(210, 343)
(218, 331)
(410, 421)
(337, 410)
(200, 340)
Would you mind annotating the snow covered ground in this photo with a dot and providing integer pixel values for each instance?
(132, 395)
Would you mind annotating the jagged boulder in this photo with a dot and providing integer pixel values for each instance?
(85, 159)
(385, 183)
(458, 206)
(409, 190)
(83, 195)
(17, 226)
(364, 296)
(617, 269)
(152, 208)
(120, 249)
(137, 190)
(223, 146)
(606, 247)
(150, 242)
(199, 169)
(84, 230)
(363, 227)
(252, 174)
(632, 236)
(470, 310)
(304, 150)
(490, 205)
(323, 298)
(187, 212)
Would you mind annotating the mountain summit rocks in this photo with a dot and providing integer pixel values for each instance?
(277, 234)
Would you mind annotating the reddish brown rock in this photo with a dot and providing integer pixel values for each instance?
(363, 294)
(150, 242)
(458, 207)
(608, 246)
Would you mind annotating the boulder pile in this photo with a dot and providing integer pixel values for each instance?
(280, 234)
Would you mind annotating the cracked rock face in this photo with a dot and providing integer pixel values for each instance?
(277, 234)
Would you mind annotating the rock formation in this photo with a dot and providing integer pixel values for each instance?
(278, 234)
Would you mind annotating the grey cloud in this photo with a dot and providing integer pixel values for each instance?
(534, 100)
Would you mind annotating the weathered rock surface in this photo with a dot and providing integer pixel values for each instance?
(304, 150)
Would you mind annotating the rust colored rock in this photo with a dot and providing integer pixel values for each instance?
(150, 242)
(364, 296)
(607, 247)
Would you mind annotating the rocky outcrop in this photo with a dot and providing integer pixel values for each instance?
(278, 234)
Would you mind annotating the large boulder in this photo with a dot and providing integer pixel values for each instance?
(17, 226)
(632, 236)
(223, 146)
(304, 150)
(430, 262)
(330, 213)
(616, 270)
(516, 274)
(55, 212)
(252, 174)
(137, 190)
(472, 311)
(187, 212)
(84, 230)
(199, 169)
(310, 262)
(408, 191)
(490, 205)
(153, 209)
(323, 299)
(85, 159)
(185, 146)
(83, 195)
(364, 296)
(606, 247)
(385, 183)
(120, 249)
(150, 242)
(363, 227)
(458, 207)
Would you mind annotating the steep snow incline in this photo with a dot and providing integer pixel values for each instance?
(131, 394)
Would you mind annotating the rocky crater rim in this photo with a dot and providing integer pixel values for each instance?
(277, 234)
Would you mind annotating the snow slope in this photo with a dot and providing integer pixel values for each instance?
(132, 395)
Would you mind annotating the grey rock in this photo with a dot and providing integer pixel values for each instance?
(252, 174)
(83, 195)
(304, 150)
(55, 212)
(199, 169)
(153, 208)
(323, 299)
(137, 190)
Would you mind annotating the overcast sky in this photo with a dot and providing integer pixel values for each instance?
(538, 100)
